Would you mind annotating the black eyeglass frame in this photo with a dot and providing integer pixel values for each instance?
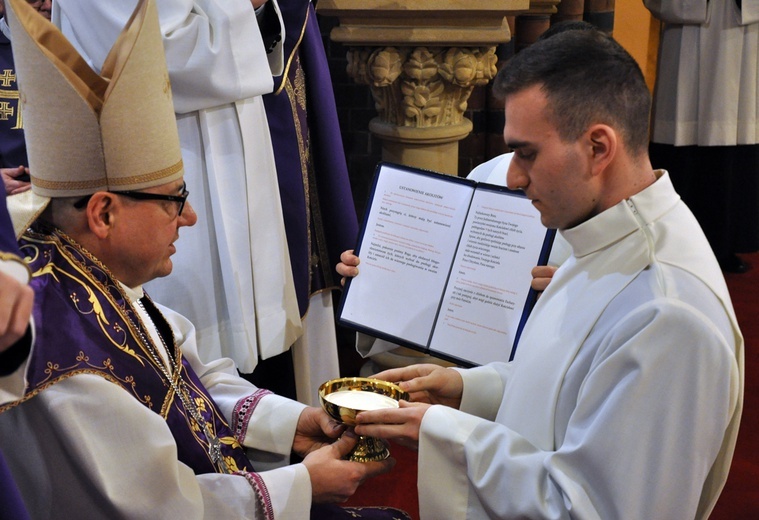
(140, 195)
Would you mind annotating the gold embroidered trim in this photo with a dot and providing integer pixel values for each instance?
(111, 182)
(123, 383)
(52, 269)
(293, 53)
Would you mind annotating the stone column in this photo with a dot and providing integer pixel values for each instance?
(420, 94)
(421, 60)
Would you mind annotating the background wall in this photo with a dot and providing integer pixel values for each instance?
(638, 32)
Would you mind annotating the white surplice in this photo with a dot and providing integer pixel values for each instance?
(86, 448)
(625, 394)
(232, 276)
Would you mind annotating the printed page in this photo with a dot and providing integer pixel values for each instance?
(490, 280)
(409, 240)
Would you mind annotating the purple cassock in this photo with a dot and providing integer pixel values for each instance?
(11, 505)
(319, 214)
(12, 145)
(103, 336)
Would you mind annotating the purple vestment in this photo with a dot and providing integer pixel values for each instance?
(100, 334)
(11, 505)
(319, 214)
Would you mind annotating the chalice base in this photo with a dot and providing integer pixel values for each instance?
(369, 449)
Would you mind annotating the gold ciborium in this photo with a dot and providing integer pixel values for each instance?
(344, 398)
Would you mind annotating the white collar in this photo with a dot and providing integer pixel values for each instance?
(132, 293)
(624, 218)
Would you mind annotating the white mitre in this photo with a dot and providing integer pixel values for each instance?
(87, 132)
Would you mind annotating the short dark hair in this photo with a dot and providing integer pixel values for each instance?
(587, 78)
(567, 25)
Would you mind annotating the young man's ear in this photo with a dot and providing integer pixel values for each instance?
(603, 141)
(100, 213)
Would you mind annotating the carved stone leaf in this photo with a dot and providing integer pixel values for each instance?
(385, 66)
(421, 65)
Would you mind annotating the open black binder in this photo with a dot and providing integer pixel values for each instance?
(445, 265)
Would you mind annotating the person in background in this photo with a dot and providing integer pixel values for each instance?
(705, 124)
(319, 215)
(625, 395)
(13, 162)
(119, 416)
(14, 169)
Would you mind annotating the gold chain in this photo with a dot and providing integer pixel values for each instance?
(214, 444)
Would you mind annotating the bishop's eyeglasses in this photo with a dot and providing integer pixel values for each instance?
(141, 195)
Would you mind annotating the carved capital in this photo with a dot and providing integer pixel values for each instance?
(422, 87)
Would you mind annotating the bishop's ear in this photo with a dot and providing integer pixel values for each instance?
(101, 210)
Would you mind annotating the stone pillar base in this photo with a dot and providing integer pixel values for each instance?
(431, 148)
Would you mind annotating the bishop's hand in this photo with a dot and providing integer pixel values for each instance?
(334, 479)
(15, 180)
(315, 429)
